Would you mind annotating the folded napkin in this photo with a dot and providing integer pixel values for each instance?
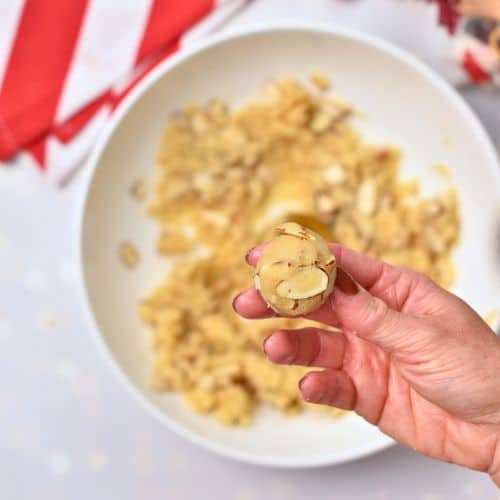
(64, 69)
(65, 65)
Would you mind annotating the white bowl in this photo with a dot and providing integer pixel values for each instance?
(406, 104)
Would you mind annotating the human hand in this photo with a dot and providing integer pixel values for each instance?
(411, 358)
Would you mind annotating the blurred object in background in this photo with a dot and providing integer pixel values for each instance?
(64, 70)
(448, 15)
(478, 50)
(476, 24)
(479, 8)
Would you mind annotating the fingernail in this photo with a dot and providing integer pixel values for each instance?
(301, 381)
(264, 342)
(235, 299)
(247, 255)
(311, 398)
(345, 283)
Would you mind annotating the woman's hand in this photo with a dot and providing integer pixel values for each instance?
(411, 358)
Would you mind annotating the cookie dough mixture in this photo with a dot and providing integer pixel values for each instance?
(225, 177)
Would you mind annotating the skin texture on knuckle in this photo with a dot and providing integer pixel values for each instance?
(374, 316)
(341, 391)
(420, 291)
(404, 288)
(315, 350)
(332, 392)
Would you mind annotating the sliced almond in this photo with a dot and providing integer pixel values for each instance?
(129, 255)
(433, 208)
(216, 218)
(435, 240)
(217, 108)
(324, 203)
(138, 190)
(320, 81)
(199, 123)
(313, 223)
(173, 243)
(367, 197)
(279, 264)
(256, 281)
(177, 188)
(293, 229)
(331, 263)
(304, 284)
(249, 158)
(321, 121)
(364, 225)
(334, 174)
(255, 190)
(203, 181)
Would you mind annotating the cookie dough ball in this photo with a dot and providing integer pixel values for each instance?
(296, 272)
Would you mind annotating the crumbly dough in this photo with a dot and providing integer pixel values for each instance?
(230, 176)
(296, 272)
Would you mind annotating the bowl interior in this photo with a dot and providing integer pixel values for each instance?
(402, 104)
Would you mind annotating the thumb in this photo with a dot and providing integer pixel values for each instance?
(369, 317)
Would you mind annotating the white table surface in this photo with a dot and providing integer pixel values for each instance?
(67, 428)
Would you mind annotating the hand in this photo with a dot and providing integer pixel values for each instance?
(411, 358)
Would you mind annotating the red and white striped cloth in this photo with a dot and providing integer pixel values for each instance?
(66, 64)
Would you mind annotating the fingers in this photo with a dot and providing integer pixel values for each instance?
(253, 255)
(355, 309)
(306, 347)
(351, 307)
(362, 384)
(250, 305)
(359, 312)
(394, 285)
(329, 387)
(373, 305)
(365, 270)
(391, 284)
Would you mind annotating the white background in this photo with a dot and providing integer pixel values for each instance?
(69, 431)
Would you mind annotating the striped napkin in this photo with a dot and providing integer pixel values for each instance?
(66, 64)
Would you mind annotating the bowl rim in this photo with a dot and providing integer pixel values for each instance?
(92, 163)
